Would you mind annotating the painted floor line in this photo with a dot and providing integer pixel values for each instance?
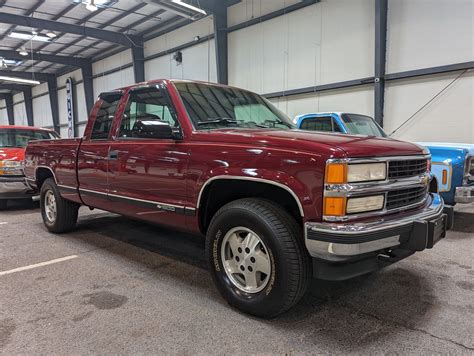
(25, 268)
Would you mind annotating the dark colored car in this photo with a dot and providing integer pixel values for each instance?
(277, 204)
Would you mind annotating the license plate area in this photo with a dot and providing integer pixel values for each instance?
(436, 230)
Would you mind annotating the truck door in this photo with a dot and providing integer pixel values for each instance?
(147, 167)
(92, 164)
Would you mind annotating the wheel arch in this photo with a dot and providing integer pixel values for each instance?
(220, 190)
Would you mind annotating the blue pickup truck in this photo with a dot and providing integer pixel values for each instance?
(452, 163)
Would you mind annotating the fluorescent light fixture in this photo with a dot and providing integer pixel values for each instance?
(9, 62)
(23, 52)
(19, 80)
(188, 6)
(93, 5)
(29, 36)
(51, 34)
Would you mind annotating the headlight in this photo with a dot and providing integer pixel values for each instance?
(365, 204)
(470, 169)
(340, 173)
(11, 168)
(366, 172)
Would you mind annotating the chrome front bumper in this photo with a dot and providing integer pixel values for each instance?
(14, 188)
(338, 242)
(464, 194)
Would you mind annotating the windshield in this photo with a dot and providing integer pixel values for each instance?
(211, 107)
(17, 138)
(362, 125)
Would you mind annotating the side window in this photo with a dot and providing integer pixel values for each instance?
(337, 128)
(105, 117)
(146, 106)
(317, 124)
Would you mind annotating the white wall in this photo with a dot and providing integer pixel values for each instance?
(358, 100)
(199, 61)
(449, 118)
(19, 110)
(319, 44)
(428, 33)
(3, 113)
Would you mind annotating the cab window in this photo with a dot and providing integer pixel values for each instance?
(105, 116)
(146, 107)
(318, 124)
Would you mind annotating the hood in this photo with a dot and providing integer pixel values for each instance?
(12, 154)
(445, 146)
(312, 141)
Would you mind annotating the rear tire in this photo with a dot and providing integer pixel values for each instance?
(3, 204)
(257, 257)
(59, 215)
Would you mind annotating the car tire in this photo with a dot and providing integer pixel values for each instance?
(273, 274)
(59, 215)
(3, 204)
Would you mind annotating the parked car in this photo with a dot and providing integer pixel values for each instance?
(453, 163)
(13, 140)
(276, 204)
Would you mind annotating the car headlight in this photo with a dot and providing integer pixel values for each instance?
(470, 169)
(11, 167)
(365, 204)
(340, 173)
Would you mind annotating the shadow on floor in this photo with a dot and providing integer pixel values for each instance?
(463, 222)
(349, 312)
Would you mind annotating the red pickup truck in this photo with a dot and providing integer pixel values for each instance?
(276, 204)
(13, 140)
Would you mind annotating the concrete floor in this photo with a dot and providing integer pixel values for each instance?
(135, 288)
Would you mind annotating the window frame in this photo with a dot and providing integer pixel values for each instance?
(172, 109)
(320, 117)
(101, 97)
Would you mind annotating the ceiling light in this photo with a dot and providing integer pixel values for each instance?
(91, 6)
(23, 52)
(19, 80)
(51, 34)
(190, 7)
(29, 36)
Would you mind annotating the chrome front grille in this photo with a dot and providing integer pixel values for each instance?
(405, 197)
(407, 168)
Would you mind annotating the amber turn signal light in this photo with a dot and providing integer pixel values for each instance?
(336, 173)
(335, 206)
(445, 176)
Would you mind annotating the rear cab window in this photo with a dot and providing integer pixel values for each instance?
(322, 123)
(105, 116)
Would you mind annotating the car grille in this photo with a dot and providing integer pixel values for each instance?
(405, 197)
(407, 168)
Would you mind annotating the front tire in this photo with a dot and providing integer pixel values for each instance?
(59, 215)
(257, 257)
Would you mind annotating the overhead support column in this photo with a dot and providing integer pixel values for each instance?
(28, 97)
(10, 112)
(53, 100)
(220, 39)
(86, 70)
(138, 57)
(380, 55)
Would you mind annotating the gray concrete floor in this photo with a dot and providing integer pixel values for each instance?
(136, 288)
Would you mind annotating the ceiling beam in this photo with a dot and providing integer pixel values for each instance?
(69, 61)
(27, 13)
(14, 87)
(109, 36)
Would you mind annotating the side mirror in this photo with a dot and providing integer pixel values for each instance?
(155, 129)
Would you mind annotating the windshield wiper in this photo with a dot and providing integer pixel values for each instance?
(221, 120)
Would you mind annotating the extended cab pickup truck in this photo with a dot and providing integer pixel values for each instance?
(276, 204)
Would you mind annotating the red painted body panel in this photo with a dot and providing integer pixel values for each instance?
(174, 172)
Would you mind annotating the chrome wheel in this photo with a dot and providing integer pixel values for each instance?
(50, 206)
(246, 260)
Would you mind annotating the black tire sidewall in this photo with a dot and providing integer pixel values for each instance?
(49, 185)
(269, 300)
(3, 204)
